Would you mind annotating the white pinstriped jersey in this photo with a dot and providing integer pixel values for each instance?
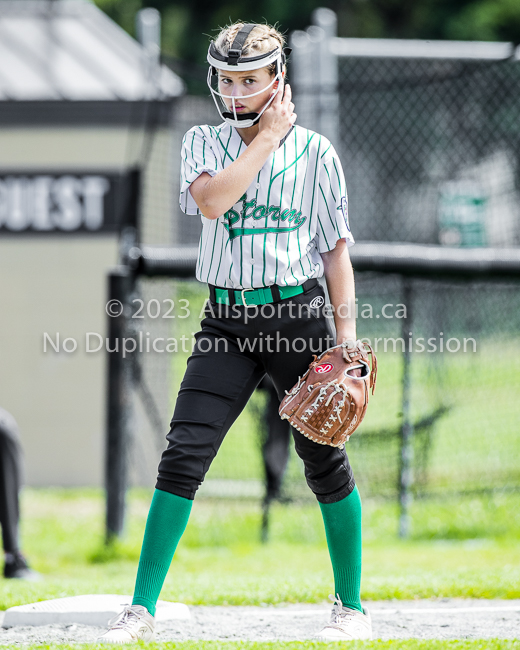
(294, 210)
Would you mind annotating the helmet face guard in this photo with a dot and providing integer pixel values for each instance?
(234, 62)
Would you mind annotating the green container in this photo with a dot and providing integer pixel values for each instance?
(462, 214)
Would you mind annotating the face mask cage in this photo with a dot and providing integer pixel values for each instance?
(227, 109)
(234, 62)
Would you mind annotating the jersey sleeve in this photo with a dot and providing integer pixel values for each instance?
(197, 157)
(333, 222)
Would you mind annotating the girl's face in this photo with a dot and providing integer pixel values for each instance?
(239, 85)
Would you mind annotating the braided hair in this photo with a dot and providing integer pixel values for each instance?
(261, 39)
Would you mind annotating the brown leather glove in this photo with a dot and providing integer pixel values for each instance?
(328, 403)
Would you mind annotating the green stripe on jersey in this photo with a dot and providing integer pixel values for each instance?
(296, 185)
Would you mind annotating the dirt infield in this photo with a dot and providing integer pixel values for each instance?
(421, 619)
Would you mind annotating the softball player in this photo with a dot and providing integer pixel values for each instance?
(11, 457)
(273, 204)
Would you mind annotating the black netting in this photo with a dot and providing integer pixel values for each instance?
(430, 149)
(465, 372)
(465, 360)
(430, 153)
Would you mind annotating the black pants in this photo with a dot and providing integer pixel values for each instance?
(234, 349)
(276, 442)
(10, 480)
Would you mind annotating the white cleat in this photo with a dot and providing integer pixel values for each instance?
(346, 624)
(134, 624)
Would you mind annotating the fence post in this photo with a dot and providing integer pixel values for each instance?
(119, 379)
(148, 28)
(302, 63)
(406, 459)
(314, 75)
(327, 74)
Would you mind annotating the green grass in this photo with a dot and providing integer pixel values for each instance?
(402, 644)
(458, 548)
(474, 445)
(461, 549)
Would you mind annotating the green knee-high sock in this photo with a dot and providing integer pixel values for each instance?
(165, 525)
(343, 529)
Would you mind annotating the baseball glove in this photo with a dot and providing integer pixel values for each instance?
(329, 402)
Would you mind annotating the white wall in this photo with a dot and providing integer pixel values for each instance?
(55, 285)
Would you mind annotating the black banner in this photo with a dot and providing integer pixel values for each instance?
(67, 203)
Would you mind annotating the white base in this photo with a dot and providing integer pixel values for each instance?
(94, 609)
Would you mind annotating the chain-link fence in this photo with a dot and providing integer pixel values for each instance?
(462, 403)
(430, 152)
(162, 224)
(464, 370)
(431, 149)
(427, 132)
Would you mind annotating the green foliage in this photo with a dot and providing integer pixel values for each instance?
(468, 448)
(187, 26)
(486, 20)
(123, 12)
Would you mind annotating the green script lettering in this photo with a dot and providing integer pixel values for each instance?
(259, 212)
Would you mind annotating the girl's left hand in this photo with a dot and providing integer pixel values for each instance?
(351, 339)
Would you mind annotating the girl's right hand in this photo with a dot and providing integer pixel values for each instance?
(280, 116)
